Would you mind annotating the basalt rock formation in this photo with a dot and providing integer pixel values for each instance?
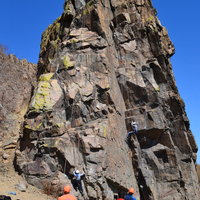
(17, 81)
(102, 64)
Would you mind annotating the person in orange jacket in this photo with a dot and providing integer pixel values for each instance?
(66, 195)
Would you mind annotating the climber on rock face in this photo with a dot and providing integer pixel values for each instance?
(78, 180)
(134, 127)
(66, 195)
(129, 196)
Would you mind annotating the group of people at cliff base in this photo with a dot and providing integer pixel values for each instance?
(78, 186)
(121, 195)
(129, 196)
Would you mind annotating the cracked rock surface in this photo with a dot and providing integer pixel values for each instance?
(102, 64)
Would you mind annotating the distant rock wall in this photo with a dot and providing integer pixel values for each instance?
(102, 64)
(17, 81)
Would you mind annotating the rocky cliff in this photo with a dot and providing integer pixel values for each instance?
(102, 64)
(17, 81)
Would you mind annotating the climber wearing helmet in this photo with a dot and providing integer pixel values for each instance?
(129, 195)
(66, 195)
(78, 180)
(134, 127)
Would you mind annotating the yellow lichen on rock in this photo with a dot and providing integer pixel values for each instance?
(150, 18)
(32, 127)
(47, 93)
(51, 33)
(42, 97)
(103, 130)
(67, 63)
(88, 6)
(46, 77)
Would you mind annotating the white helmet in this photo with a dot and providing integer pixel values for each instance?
(77, 171)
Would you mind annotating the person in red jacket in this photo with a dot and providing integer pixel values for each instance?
(66, 195)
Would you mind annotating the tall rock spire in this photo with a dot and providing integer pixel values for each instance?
(102, 64)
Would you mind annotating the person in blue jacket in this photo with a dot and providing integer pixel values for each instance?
(129, 196)
(134, 127)
(78, 180)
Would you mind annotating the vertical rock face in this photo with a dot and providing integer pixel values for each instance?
(17, 80)
(102, 64)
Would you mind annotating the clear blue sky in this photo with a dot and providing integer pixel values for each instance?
(23, 21)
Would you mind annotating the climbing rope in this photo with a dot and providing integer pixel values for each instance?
(124, 81)
(65, 165)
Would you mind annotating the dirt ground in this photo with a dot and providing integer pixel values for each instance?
(9, 178)
(7, 183)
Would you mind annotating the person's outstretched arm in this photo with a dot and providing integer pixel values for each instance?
(82, 174)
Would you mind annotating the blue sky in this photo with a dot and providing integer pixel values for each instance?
(182, 20)
(23, 21)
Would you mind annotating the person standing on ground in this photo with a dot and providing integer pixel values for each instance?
(129, 195)
(134, 127)
(66, 195)
(121, 195)
(78, 180)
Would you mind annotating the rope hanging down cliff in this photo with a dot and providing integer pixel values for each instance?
(125, 92)
(122, 61)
